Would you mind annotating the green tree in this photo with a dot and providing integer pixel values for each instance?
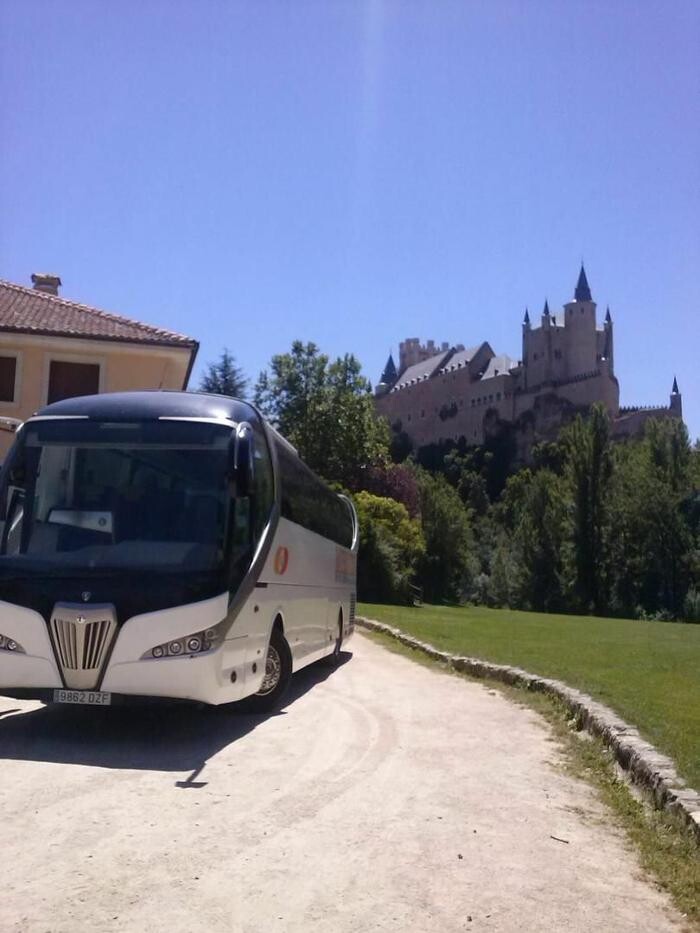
(502, 585)
(589, 470)
(652, 559)
(289, 392)
(326, 410)
(391, 544)
(449, 565)
(534, 509)
(224, 378)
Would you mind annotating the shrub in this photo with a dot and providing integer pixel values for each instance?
(691, 606)
(391, 543)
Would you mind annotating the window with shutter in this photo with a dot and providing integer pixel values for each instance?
(8, 373)
(68, 380)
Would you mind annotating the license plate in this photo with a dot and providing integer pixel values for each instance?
(83, 697)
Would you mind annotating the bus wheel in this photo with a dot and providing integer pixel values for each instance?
(278, 673)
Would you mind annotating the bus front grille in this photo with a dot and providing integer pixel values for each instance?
(82, 637)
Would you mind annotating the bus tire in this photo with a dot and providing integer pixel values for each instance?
(278, 674)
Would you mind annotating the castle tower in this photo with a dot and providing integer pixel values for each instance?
(412, 351)
(580, 345)
(676, 405)
(538, 349)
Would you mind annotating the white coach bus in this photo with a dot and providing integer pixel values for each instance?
(166, 544)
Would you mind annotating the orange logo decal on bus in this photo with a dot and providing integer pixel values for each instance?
(281, 560)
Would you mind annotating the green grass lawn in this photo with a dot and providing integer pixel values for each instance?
(648, 671)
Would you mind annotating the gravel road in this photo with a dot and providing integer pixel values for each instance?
(386, 796)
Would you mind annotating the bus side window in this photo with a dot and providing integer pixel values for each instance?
(307, 501)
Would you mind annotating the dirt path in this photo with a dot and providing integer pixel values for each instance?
(386, 796)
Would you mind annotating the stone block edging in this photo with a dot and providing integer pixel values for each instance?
(646, 766)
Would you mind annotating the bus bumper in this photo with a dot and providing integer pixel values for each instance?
(226, 674)
(222, 676)
(33, 664)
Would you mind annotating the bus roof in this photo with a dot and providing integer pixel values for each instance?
(158, 403)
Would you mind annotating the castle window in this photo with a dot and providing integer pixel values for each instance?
(473, 402)
(408, 417)
(422, 413)
(498, 396)
(557, 354)
(490, 398)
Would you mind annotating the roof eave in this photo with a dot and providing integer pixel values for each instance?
(190, 366)
(104, 338)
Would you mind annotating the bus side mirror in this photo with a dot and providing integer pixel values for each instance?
(244, 460)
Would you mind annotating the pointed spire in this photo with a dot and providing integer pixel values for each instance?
(389, 376)
(608, 319)
(546, 308)
(526, 319)
(582, 291)
(674, 390)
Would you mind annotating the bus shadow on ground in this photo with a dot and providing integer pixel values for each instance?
(167, 737)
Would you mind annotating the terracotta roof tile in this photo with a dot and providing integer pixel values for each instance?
(28, 311)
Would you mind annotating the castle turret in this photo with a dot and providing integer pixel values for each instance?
(582, 292)
(607, 350)
(582, 350)
(388, 376)
(676, 405)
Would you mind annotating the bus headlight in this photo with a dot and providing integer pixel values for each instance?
(9, 644)
(190, 645)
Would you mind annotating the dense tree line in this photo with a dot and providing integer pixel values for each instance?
(592, 526)
(589, 527)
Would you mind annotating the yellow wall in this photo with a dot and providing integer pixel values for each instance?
(123, 367)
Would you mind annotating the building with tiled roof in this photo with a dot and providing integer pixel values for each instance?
(452, 393)
(52, 348)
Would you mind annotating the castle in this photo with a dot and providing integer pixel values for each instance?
(568, 363)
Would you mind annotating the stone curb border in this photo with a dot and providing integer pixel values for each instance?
(645, 765)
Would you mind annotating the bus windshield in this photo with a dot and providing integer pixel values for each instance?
(80, 494)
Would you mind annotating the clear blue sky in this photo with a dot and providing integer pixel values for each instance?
(353, 173)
